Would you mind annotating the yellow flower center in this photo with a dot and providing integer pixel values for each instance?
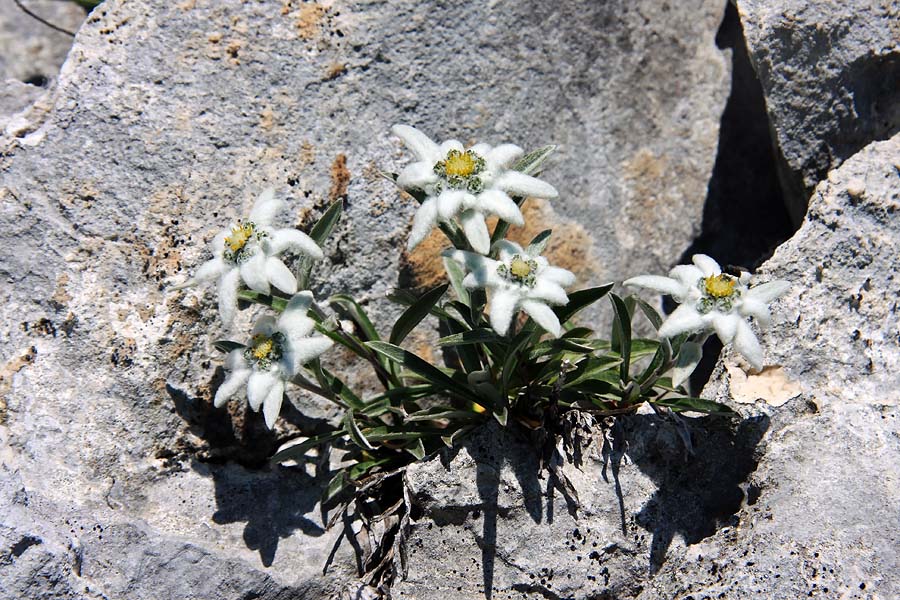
(262, 347)
(719, 286)
(461, 164)
(519, 268)
(240, 235)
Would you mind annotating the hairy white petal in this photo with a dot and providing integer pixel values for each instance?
(746, 343)
(476, 230)
(235, 361)
(265, 325)
(688, 275)
(767, 292)
(259, 386)
(726, 326)
(425, 219)
(449, 145)
(503, 310)
(217, 244)
(235, 381)
(211, 269)
(663, 285)
(503, 155)
(300, 303)
(303, 350)
(295, 325)
(481, 149)
(253, 272)
(558, 275)
(293, 239)
(684, 318)
(753, 307)
(265, 208)
(498, 203)
(280, 276)
(417, 175)
(272, 403)
(543, 315)
(520, 184)
(228, 289)
(506, 250)
(707, 265)
(449, 203)
(548, 291)
(418, 143)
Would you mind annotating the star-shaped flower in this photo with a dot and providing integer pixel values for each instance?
(517, 281)
(712, 300)
(274, 355)
(465, 184)
(248, 251)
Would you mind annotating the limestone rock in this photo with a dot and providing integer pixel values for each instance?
(29, 50)
(830, 73)
(822, 518)
(168, 119)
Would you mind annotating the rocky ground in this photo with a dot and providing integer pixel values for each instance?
(682, 127)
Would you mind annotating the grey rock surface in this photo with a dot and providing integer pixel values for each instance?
(168, 119)
(830, 73)
(797, 498)
(29, 50)
(824, 519)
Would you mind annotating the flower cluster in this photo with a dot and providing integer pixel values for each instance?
(249, 252)
(465, 184)
(711, 300)
(517, 281)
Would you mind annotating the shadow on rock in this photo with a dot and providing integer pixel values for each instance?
(235, 448)
(697, 494)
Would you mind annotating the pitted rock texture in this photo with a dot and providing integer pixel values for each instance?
(167, 121)
(822, 518)
(830, 73)
(489, 522)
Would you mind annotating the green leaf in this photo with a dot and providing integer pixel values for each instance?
(539, 242)
(452, 439)
(424, 369)
(456, 274)
(386, 433)
(226, 346)
(354, 432)
(473, 336)
(413, 315)
(333, 383)
(319, 233)
(556, 345)
(337, 485)
(350, 309)
(417, 449)
(467, 354)
(442, 412)
(531, 163)
(595, 367)
(688, 358)
(695, 404)
(297, 451)
(275, 302)
(661, 358)
(581, 299)
(650, 312)
(621, 334)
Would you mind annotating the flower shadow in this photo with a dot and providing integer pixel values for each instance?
(699, 490)
(233, 451)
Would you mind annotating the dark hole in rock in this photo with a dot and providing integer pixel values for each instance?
(37, 79)
(744, 218)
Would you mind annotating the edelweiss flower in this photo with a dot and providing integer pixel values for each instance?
(712, 300)
(248, 251)
(517, 281)
(467, 184)
(276, 351)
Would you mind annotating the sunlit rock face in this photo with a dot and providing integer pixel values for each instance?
(168, 119)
